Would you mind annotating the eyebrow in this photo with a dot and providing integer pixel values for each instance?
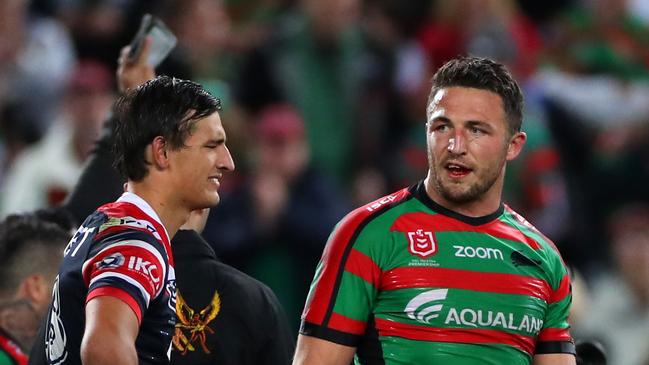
(441, 119)
(219, 140)
(478, 123)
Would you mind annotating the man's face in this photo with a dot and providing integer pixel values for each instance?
(468, 144)
(286, 157)
(631, 253)
(198, 166)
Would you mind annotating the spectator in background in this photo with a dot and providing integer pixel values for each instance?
(617, 312)
(19, 130)
(604, 169)
(203, 30)
(490, 28)
(601, 37)
(36, 57)
(224, 316)
(274, 225)
(318, 60)
(395, 96)
(98, 27)
(43, 174)
(30, 252)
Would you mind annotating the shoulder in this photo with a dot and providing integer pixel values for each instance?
(10, 352)
(360, 217)
(246, 286)
(5, 359)
(536, 237)
(542, 248)
(124, 239)
(121, 217)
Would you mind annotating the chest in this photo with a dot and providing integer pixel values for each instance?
(454, 279)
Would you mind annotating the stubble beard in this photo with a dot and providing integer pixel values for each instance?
(458, 193)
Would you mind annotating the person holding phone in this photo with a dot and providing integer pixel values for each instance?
(114, 299)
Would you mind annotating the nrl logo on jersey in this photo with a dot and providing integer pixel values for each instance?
(421, 243)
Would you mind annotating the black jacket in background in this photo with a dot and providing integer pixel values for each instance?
(249, 326)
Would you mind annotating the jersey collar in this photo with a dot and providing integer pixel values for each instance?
(419, 191)
(142, 204)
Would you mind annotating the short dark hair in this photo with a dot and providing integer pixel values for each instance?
(60, 216)
(485, 74)
(29, 245)
(164, 106)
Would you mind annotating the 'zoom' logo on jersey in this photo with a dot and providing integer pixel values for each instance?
(423, 308)
(479, 252)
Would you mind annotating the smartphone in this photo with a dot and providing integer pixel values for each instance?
(163, 40)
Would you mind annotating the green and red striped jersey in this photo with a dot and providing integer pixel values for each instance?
(407, 281)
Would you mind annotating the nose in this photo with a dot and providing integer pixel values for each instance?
(225, 162)
(456, 144)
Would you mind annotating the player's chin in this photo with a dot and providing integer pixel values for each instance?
(457, 192)
(211, 200)
(208, 200)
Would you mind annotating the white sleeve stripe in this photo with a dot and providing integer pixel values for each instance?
(126, 278)
(134, 243)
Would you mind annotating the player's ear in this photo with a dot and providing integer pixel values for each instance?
(36, 289)
(158, 153)
(515, 146)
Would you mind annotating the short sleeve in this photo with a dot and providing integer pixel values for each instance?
(345, 285)
(555, 335)
(132, 270)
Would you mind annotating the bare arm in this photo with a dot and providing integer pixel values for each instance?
(110, 333)
(555, 359)
(312, 350)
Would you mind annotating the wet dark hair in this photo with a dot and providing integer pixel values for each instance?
(29, 244)
(485, 74)
(164, 106)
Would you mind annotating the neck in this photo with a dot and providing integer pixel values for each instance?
(172, 214)
(21, 321)
(486, 204)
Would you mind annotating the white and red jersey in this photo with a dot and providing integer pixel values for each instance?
(121, 250)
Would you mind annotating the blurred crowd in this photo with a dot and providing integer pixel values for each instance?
(324, 105)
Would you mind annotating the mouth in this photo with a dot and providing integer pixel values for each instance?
(457, 170)
(215, 180)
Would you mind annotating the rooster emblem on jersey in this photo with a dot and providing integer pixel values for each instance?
(193, 326)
